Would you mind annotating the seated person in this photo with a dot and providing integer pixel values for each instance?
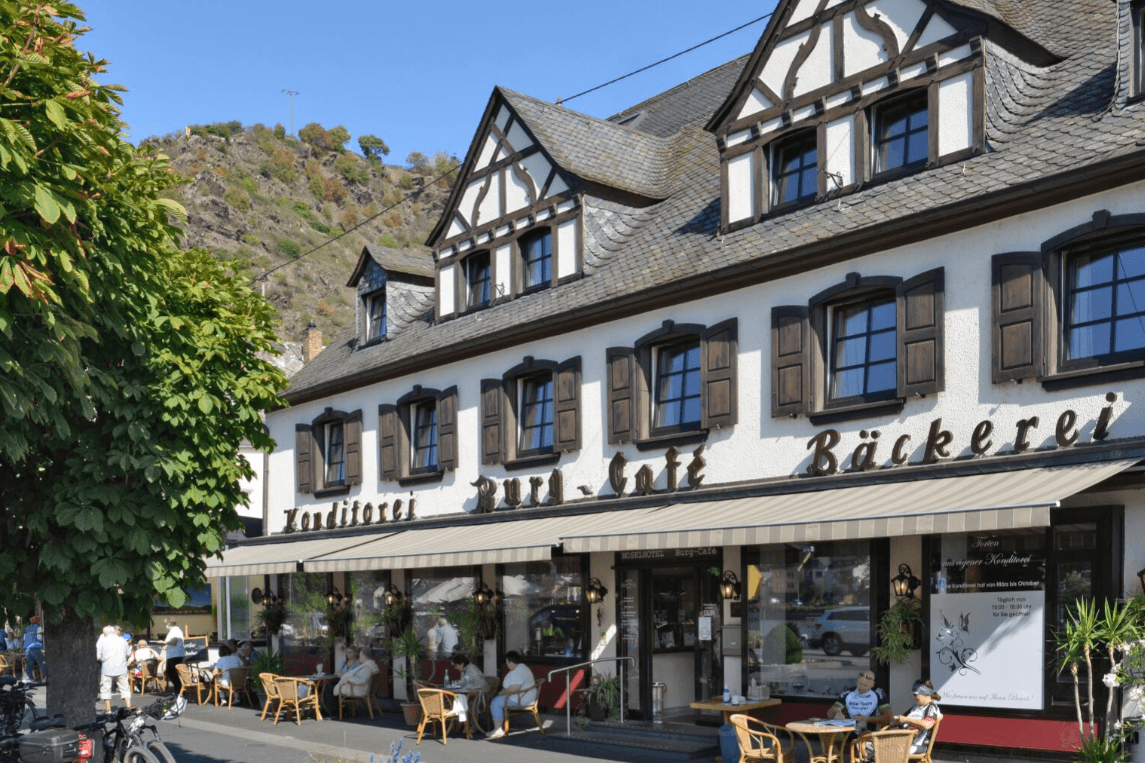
(357, 672)
(247, 653)
(518, 690)
(922, 715)
(862, 702)
(227, 660)
(141, 654)
(471, 676)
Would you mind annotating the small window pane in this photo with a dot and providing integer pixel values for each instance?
(883, 346)
(335, 469)
(883, 316)
(865, 348)
(1093, 270)
(1128, 335)
(678, 385)
(1088, 342)
(1093, 304)
(881, 377)
(537, 414)
(1131, 263)
(425, 436)
(537, 254)
(479, 289)
(796, 169)
(849, 383)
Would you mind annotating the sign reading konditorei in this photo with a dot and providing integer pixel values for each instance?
(987, 622)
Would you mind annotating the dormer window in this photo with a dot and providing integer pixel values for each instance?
(478, 282)
(375, 316)
(537, 261)
(795, 163)
(902, 134)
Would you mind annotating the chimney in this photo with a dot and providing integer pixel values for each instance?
(311, 343)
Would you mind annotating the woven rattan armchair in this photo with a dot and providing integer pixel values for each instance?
(758, 741)
(533, 707)
(269, 686)
(925, 755)
(370, 700)
(237, 680)
(886, 746)
(190, 677)
(299, 694)
(148, 674)
(438, 706)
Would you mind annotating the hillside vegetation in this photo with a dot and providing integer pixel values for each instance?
(258, 198)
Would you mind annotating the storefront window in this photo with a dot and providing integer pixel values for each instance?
(440, 597)
(238, 612)
(305, 596)
(808, 617)
(367, 591)
(544, 606)
(987, 618)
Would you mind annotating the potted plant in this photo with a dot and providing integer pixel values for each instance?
(271, 618)
(407, 645)
(265, 662)
(475, 623)
(898, 632)
(602, 697)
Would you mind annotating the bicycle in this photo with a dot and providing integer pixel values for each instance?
(123, 731)
(42, 732)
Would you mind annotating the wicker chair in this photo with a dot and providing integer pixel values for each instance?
(190, 677)
(6, 665)
(270, 686)
(297, 693)
(237, 680)
(533, 708)
(438, 706)
(370, 700)
(925, 756)
(759, 741)
(887, 746)
(148, 674)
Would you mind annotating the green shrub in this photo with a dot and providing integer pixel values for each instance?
(251, 239)
(238, 199)
(406, 181)
(320, 226)
(279, 131)
(288, 246)
(339, 136)
(389, 241)
(352, 169)
(282, 165)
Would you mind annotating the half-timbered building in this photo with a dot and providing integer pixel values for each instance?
(704, 385)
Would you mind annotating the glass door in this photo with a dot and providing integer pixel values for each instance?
(631, 603)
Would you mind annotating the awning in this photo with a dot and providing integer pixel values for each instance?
(275, 558)
(969, 503)
(525, 540)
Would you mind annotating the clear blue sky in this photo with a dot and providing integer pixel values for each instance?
(418, 74)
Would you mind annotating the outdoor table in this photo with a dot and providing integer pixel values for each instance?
(832, 735)
(728, 709)
(319, 681)
(471, 704)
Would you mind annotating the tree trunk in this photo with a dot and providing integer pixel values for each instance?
(1077, 700)
(1089, 688)
(73, 673)
(1112, 691)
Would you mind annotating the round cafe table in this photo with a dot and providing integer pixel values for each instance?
(832, 736)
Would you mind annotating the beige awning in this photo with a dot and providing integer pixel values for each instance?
(524, 540)
(275, 558)
(969, 503)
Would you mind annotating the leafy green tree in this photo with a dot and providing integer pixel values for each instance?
(373, 147)
(418, 162)
(316, 135)
(339, 137)
(128, 368)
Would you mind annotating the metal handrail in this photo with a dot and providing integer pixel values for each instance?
(568, 687)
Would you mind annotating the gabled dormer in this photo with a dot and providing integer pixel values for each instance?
(515, 221)
(394, 287)
(843, 93)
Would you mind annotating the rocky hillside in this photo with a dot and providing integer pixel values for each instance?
(259, 200)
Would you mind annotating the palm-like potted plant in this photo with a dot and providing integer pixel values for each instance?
(898, 632)
(406, 645)
(602, 697)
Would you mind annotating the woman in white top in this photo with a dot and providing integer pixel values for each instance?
(519, 690)
(356, 674)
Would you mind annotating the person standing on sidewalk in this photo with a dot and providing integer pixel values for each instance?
(34, 650)
(175, 652)
(111, 653)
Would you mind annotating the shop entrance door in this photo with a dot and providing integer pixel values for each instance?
(671, 626)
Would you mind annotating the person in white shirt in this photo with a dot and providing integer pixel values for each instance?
(111, 651)
(446, 636)
(226, 661)
(519, 690)
(175, 652)
(357, 672)
(140, 655)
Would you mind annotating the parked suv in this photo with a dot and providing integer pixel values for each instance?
(842, 628)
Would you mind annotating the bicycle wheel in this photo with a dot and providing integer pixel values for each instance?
(137, 755)
(159, 750)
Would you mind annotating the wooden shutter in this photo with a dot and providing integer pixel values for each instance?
(718, 362)
(303, 459)
(790, 361)
(1016, 332)
(566, 413)
(621, 394)
(492, 404)
(353, 429)
(921, 302)
(389, 442)
(447, 430)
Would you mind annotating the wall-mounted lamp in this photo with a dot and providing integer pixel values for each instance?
(1141, 575)
(595, 592)
(393, 595)
(483, 595)
(905, 582)
(334, 598)
(269, 599)
(729, 586)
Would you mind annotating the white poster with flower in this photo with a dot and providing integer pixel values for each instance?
(986, 649)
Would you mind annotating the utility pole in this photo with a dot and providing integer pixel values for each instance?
(291, 93)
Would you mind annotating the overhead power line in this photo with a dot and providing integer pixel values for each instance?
(665, 60)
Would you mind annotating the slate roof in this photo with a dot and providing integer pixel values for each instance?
(408, 261)
(1048, 129)
(594, 149)
(1049, 23)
